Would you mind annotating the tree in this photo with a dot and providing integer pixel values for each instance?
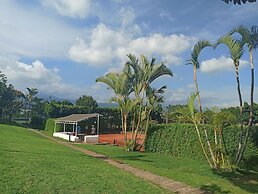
(121, 84)
(239, 1)
(3, 88)
(194, 118)
(12, 101)
(196, 65)
(32, 92)
(144, 73)
(250, 38)
(88, 102)
(154, 100)
(236, 51)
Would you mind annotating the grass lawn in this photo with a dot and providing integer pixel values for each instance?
(192, 172)
(30, 163)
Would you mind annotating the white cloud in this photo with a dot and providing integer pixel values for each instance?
(33, 33)
(221, 64)
(107, 45)
(35, 75)
(47, 80)
(219, 97)
(72, 8)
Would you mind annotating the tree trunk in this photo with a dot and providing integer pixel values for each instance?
(250, 121)
(240, 113)
(125, 127)
(146, 129)
(210, 149)
(202, 146)
(197, 89)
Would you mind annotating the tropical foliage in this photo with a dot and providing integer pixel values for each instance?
(134, 94)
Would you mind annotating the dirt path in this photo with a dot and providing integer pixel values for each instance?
(173, 186)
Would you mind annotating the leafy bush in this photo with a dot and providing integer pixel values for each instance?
(50, 125)
(180, 140)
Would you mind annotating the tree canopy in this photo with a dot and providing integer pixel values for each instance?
(239, 1)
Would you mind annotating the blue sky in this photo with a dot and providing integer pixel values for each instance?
(62, 46)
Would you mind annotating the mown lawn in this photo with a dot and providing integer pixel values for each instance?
(190, 171)
(30, 163)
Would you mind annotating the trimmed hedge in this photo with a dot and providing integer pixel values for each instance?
(180, 140)
(50, 125)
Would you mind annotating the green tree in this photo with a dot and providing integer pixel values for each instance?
(236, 51)
(12, 101)
(192, 115)
(121, 84)
(154, 101)
(32, 92)
(198, 47)
(3, 88)
(144, 73)
(87, 101)
(250, 38)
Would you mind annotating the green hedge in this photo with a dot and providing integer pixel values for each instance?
(50, 125)
(180, 140)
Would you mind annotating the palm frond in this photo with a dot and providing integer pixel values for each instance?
(190, 103)
(159, 71)
(235, 47)
(198, 47)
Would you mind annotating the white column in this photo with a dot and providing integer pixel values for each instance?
(76, 129)
(64, 126)
(98, 126)
(55, 128)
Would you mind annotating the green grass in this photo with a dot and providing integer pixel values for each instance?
(189, 171)
(30, 163)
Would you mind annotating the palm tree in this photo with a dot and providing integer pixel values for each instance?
(236, 51)
(154, 100)
(196, 65)
(120, 83)
(250, 38)
(32, 92)
(191, 115)
(145, 72)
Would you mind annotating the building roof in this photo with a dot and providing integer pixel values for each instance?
(74, 118)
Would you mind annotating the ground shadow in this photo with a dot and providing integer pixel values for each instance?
(134, 157)
(9, 122)
(213, 189)
(246, 180)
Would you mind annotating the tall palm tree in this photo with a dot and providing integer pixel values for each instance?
(250, 38)
(236, 52)
(145, 72)
(121, 84)
(196, 65)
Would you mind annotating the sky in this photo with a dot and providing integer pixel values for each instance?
(60, 47)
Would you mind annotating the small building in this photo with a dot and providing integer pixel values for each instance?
(75, 135)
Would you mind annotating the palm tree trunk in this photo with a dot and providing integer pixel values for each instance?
(210, 149)
(197, 90)
(125, 126)
(146, 129)
(250, 121)
(240, 144)
(202, 146)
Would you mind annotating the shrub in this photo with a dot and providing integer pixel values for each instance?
(180, 140)
(50, 125)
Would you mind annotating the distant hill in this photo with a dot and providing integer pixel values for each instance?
(107, 105)
(100, 104)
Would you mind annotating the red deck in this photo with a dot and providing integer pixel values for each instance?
(117, 138)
